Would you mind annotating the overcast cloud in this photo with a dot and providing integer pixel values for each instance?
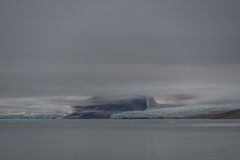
(88, 47)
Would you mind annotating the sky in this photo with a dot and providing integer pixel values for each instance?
(97, 47)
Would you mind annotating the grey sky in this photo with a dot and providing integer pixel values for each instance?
(94, 46)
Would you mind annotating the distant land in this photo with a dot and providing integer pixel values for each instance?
(141, 107)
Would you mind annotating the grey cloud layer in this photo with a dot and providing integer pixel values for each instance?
(91, 46)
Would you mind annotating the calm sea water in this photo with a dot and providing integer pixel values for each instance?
(119, 139)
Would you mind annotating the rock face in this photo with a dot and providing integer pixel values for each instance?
(99, 108)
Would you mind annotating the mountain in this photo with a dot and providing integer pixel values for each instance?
(104, 107)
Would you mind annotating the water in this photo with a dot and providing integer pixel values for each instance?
(119, 139)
